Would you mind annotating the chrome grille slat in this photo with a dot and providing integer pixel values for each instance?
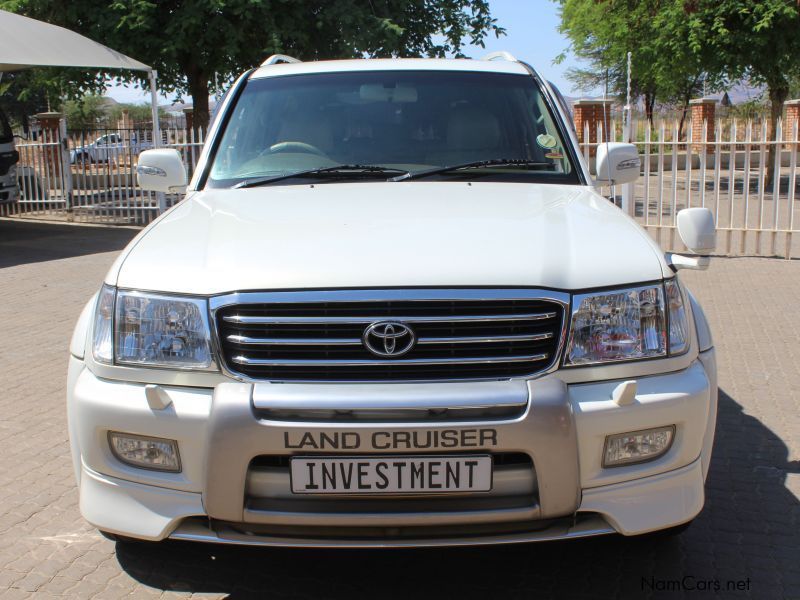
(253, 341)
(250, 320)
(498, 339)
(457, 334)
(243, 360)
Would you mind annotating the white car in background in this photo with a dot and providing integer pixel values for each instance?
(108, 147)
(393, 310)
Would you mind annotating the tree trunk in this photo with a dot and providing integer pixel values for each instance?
(684, 110)
(198, 88)
(778, 94)
(649, 103)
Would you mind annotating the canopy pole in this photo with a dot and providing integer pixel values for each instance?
(153, 76)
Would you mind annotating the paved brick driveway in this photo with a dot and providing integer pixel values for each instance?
(748, 533)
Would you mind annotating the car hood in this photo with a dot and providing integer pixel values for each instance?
(379, 234)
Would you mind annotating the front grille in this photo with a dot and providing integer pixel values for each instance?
(322, 340)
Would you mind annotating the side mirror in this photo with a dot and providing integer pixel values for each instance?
(697, 230)
(161, 170)
(617, 163)
(698, 233)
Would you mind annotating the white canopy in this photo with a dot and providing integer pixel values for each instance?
(30, 43)
(26, 43)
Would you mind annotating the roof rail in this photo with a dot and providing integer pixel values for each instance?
(279, 58)
(500, 55)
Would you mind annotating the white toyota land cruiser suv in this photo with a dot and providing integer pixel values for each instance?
(393, 311)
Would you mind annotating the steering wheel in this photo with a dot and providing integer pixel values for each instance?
(294, 147)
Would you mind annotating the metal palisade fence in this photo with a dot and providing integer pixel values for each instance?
(90, 176)
(92, 179)
(756, 207)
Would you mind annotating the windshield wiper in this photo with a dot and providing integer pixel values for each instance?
(341, 171)
(478, 164)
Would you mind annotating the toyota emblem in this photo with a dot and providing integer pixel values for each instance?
(388, 338)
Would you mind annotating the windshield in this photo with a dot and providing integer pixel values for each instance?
(411, 121)
(6, 134)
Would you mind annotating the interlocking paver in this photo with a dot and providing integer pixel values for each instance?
(750, 527)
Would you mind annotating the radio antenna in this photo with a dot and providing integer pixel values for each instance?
(605, 133)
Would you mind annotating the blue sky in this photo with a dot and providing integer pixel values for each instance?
(531, 35)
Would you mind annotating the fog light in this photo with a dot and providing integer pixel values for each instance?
(637, 446)
(145, 452)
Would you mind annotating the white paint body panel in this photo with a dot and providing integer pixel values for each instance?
(377, 234)
(393, 64)
(150, 504)
(372, 235)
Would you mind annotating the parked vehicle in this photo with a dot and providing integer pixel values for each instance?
(9, 157)
(393, 311)
(108, 147)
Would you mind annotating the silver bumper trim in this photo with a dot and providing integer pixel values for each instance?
(382, 397)
(585, 526)
(384, 519)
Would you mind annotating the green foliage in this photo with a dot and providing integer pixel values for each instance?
(93, 111)
(656, 32)
(750, 109)
(758, 41)
(193, 42)
(88, 112)
(26, 93)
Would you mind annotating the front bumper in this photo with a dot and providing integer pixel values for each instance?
(219, 496)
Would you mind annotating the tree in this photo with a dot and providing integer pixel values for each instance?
(757, 41)
(89, 112)
(193, 43)
(23, 94)
(664, 66)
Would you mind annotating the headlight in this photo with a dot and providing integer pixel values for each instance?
(678, 323)
(628, 324)
(617, 325)
(152, 330)
(103, 339)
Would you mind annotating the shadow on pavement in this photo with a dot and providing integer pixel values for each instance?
(748, 534)
(24, 242)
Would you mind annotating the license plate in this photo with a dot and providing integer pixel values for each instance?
(390, 474)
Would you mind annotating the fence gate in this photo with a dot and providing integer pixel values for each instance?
(756, 207)
(89, 176)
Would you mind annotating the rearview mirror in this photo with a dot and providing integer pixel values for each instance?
(617, 163)
(161, 170)
(697, 231)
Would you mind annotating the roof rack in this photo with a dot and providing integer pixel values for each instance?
(280, 58)
(500, 55)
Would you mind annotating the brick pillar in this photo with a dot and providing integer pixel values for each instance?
(189, 114)
(792, 117)
(588, 113)
(50, 123)
(703, 112)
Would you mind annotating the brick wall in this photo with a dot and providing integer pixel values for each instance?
(589, 113)
(703, 114)
(792, 117)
